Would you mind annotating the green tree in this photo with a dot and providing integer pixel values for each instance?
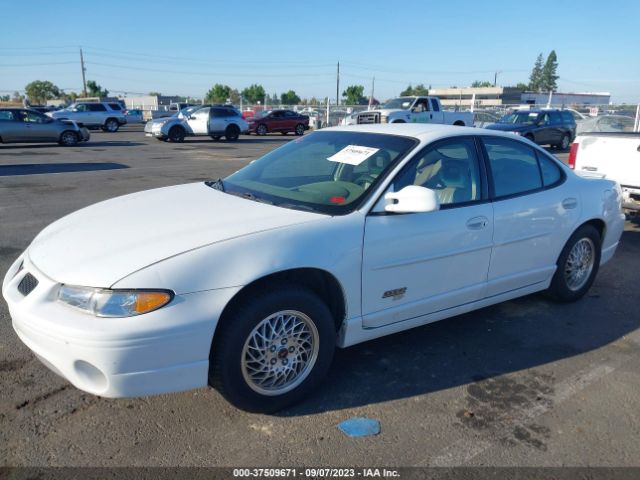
(418, 90)
(354, 95)
(522, 86)
(549, 76)
(155, 94)
(95, 90)
(254, 93)
(479, 84)
(407, 91)
(289, 98)
(421, 90)
(40, 91)
(234, 96)
(16, 97)
(218, 94)
(5, 98)
(535, 79)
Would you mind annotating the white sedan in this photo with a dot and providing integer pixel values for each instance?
(249, 283)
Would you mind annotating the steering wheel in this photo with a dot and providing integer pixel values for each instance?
(365, 180)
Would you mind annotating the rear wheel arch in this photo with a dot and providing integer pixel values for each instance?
(598, 224)
(459, 123)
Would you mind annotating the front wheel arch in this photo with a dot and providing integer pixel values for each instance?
(319, 281)
(458, 123)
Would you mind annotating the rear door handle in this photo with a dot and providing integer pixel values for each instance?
(477, 223)
(569, 203)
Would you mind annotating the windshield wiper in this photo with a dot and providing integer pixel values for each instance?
(251, 196)
(217, 184)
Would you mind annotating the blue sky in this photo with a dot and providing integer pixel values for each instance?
(185, 47)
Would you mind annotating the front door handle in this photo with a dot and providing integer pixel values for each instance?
(569, 203)
(477, 223)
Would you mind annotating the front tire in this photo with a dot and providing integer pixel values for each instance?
(111, 125)
(299, 129)
(564, 142)
(261, 129)
(176, 134)
(577, 265)
(273, 350)
(69, 139)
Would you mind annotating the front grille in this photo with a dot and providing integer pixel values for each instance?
(368, 117)
(27, 284)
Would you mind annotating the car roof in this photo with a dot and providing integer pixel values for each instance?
(425, 132)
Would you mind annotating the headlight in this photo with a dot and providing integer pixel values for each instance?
(516, 133)
(113, 303)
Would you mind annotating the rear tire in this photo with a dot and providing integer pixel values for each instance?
(276, 349)
(232, 133)
(176, 134)
(69, 138)
(577, 265)
(564, 142)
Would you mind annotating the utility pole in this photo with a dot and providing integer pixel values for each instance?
(338, 85)
(373, 87)
(495, 77)
(84, 81)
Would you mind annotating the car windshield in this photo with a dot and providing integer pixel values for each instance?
(325, 172)
(528, 118)
(403, 102)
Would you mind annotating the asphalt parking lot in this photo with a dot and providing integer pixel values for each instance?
(525, 383)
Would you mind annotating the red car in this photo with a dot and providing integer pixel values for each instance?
(282, 121)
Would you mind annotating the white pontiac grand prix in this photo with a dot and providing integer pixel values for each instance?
(250, 282)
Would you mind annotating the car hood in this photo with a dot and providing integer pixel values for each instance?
(509, 127)
(100, 244)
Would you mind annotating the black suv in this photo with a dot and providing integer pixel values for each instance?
(545, 127)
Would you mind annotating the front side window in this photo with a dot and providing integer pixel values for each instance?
(81, 108)
(514, 167)
(326, 172)
(33, 117)
(450, 168)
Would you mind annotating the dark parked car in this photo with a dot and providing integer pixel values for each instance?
(283, 121)
(544, 127)
(22, 125)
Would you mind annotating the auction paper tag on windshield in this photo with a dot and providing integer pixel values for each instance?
(353, 154)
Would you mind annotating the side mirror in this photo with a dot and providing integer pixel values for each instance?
(412, 199)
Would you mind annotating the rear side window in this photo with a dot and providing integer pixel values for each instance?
(551, 173)
(115, 106)
(514, 168)
(555, 118)
(567, 117)
(96, 107)
(7, 115)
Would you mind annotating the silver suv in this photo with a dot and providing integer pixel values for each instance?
(108, 116)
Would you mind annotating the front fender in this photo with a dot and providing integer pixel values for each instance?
(332, 244)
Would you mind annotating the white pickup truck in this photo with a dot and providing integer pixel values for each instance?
(615, 156)
(414, 110)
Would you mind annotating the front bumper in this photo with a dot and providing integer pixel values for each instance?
(159, 352)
